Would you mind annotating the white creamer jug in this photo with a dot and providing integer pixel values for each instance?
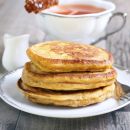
(14, 54)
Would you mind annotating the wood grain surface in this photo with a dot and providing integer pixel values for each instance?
(15, 20)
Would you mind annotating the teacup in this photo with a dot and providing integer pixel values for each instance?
(88, 28)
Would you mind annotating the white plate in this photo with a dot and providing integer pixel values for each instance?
(11, 95)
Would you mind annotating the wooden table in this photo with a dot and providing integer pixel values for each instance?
(14, 20)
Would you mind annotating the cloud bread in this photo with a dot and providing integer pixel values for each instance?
(68, 81)
(57, 56)
(62, 98)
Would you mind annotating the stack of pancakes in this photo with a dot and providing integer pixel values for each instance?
(68, 74)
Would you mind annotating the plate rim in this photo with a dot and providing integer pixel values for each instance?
(9, 102)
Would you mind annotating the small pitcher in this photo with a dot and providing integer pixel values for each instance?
(14, 54)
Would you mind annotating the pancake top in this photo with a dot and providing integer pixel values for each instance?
(69, 51)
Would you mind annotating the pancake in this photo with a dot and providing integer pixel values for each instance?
(57, 56)
(67, 98)
(69, 86)
(68, 81)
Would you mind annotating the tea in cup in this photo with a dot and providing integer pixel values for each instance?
(78, 20)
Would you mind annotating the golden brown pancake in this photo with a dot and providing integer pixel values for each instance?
(68, 81)
(67, 98)
(57, 56)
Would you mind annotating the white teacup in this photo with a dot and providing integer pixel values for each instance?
(88, 28)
